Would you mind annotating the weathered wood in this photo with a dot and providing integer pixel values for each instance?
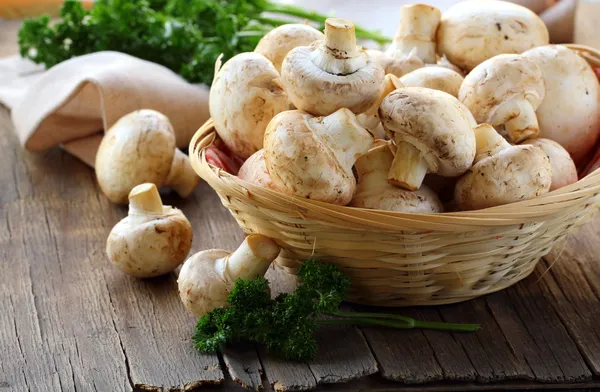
(244, 366)
(487, 349)
(285, 375)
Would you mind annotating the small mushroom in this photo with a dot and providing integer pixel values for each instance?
(254, 170)
(416, 33)
(435, 77)
(397, 66)
(564, 171)
(570, 111)
(207, 277)
(375, 192)
(312, 157)
(370, 119)
(276, 44)
(505, 91)
(245, 95)
(473, 31)
(333, 73)
(444, 62)
(433, 133)
(502, 173)
(153, 239)
(140, 148)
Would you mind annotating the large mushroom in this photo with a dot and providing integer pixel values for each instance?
(473, 31)
(564, 171)
(312, 157)
(375, 192)
(207, 277)
(433, 133)
(434, 77)
(502, 173)
(153, 239)
(245, 95)
(570, 111)
(332, 74)
(140, 148)
(505, 91)
(276, 44)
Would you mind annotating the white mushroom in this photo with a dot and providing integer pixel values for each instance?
(473, 31)
(370, 118)
(375, 192)
(505, 91)
(570, 111)
(245, 95)
(276, 44)
(140, 148)
(564, 171)
(254, 170)
(153, 239)
(312, 157)
(397, 66)
(444, 62)
(207, 277)
(332, 74)
(416, 33)
(502, 173)
(433, 133)
(435, 77)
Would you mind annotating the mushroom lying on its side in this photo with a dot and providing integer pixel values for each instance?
(276, 44)
(332, 74)
(436, 78)
(375, 192)
(502, 173)
(254, 170)
(140, 148)
(433, 133)
(207, 277)
(570, 111)
(564, 171)
(312, 157)
(153, 239)
(505, 91)
(245, 95)
(473, 31)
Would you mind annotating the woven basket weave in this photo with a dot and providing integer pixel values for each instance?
(400, 259)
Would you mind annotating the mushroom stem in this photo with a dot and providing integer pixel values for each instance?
(145, 198)
(182, 177)
(522, 123)
(408, 168)
(252, 258)
(416, 31)
(338, 53)
(488, 142)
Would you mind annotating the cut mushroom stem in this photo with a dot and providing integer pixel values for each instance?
(488, 142)
(408, 168)
(522, 122)
(252, 258)
(145, 198)
(416, 31)
(339, 54)
(182, 178)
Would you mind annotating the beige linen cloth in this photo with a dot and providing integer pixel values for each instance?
(72, 103)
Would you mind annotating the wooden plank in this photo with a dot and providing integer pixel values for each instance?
(286, 375)
(403, 355)
(488, 350)
(244, 366)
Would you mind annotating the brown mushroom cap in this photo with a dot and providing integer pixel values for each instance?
(473, 31)
(564, 171)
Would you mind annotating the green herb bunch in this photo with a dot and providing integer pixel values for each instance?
(286, 325)
(186, 36)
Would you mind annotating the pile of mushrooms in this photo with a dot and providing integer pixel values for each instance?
(473, 102)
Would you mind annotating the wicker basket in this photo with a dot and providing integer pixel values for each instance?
(400, 259)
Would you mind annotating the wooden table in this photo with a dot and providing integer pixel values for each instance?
(71, 322)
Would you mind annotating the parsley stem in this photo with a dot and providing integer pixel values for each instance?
(397, 321)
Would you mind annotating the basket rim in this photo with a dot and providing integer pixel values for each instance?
(577, 195)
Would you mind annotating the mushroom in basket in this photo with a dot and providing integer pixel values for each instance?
(254, 170)
(564, 171)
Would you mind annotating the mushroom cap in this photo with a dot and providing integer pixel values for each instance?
(245, 95)
(320, 93)
(301, 163)
(203, 284)
(513, 174)
(564, 171)
(436, 123)
(138, 148)
(254, 170)
(276, 44)
(570, 111)
(373, 191)
(473, 31)
(436, 78)
(149, 245)
(499, 80)
(396, 66)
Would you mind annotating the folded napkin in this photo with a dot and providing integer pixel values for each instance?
(72, 103)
